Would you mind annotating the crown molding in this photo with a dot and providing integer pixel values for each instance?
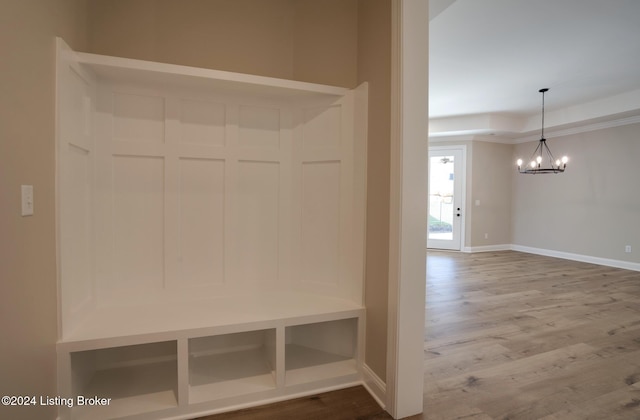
(581, 129)
(471, 138)
(550, 132)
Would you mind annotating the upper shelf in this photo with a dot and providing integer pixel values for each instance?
(139, 71)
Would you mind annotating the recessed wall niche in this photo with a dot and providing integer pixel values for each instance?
(207, 222)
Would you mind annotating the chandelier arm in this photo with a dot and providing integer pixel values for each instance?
(552, 160)
(535, 152)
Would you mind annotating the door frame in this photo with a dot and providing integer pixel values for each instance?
(408, 207)
(462, 179)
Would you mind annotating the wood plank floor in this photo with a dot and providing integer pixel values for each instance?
(511, 335)
(346, 404)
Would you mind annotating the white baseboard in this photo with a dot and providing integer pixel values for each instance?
(578, 257)
(487, 248)
(376, 386)
(608, 262)
(260, 402)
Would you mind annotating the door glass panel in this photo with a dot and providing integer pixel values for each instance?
(441, 176)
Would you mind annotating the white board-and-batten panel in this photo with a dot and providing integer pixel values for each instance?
(196, 206)
(74, 184)
(201, 221)
(138, 228)
(320, 228)
(130, 194)
(255, 242)
(261, 187)
(324, 165)
(196, 195)
(202, 122)
(199, 205)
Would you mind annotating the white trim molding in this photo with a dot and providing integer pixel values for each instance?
(581, 129)
(487, 248)
(608, 262)
(408, 208)
(494, 134)
(464, 174)
(627, 265)
(376, 386)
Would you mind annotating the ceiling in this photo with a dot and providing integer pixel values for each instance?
(489, 58)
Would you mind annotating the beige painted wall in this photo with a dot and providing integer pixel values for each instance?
(374, 66)
(492, 173)
(591, 209)
(291, 39)
(236, 35)
(325, 42)
(488, 179)
(28, 315)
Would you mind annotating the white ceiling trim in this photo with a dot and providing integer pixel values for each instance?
(581, 129)
(472, 138)
(535, 137)
(601, 113)
(609, 108)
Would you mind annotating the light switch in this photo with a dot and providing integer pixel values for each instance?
(27, 200)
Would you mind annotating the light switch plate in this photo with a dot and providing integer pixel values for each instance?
(27, 200)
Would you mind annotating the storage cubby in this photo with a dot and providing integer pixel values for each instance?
(138, 379)
(320, 351)
(228, 365)
(210, 236)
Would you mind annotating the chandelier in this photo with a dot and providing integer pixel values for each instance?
(542, 161)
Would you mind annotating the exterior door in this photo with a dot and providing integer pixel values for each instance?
(446, 209)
